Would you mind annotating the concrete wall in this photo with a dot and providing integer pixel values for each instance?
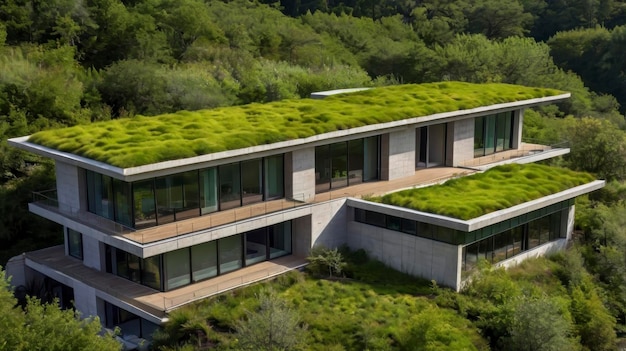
(401, 162)
(85, 299)
(463, 143)
(68, 180)
(91, 253)
(409, 254)
(328, 223)
(300, 182)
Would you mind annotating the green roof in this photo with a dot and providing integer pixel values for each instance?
(496, 189)
(142, 140)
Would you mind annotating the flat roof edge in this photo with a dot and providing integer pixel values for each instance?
(144, 171)
(484, 220)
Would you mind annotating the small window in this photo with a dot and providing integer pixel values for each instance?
(75, 244)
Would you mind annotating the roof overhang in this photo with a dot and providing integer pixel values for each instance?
(191, 163)
(482, 221)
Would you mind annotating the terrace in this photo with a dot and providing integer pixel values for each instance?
(157, 304)
(46, 205)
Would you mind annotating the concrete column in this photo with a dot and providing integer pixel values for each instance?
(401, 161)
(300, 174)
(463, 141)
(68, 185)
(518, 122)
(91, 253)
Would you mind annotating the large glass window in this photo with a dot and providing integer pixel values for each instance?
(151, 272)
(204, 261)
(208, 190)
(346, 163)
(230, 186)
(75, 244)
(339, 165)
(252, 181)
(280, 239)
(493, 133)
(168, 195)
(177, 268)
(256, 246)
(274, 177)
(144, 204)
(189, 206)
(123, 208)
(229, 253)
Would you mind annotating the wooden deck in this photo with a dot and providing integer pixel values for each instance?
(421, 177)
(152, 301)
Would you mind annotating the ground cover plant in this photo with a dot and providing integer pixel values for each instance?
(145, 140)
(496, 189)
(371, 307)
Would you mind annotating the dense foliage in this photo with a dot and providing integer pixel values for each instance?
(40, 326)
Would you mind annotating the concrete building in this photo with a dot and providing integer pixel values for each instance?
(141, 241)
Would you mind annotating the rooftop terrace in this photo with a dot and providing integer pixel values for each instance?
(499, 188)
(144, 140)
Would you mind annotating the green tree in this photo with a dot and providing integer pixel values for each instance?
(274, 326)
(597, 146)
(46, 327)
(539, 325)
(498, 19)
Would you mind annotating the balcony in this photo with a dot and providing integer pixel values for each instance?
(46, 205)
(53, 263)
(527, 153)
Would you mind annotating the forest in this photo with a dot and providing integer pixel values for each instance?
(70, 62)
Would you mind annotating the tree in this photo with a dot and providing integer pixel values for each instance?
(323, 259)
(273, 327)
(498, 19)
(46, 327)
(539, 325)
(597, 146)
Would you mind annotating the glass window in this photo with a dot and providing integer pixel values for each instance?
(359, 215)
(168, 194)
(355, 161)
(501, 132)
(375, 218)
(256, 246)
(204, 261)
(426, 230)
(151, 272)
(208, 190)
(230, 186)
(229, 253)
(394, 223)
(280, 239)
(100, 195)
(75, 244)
(508, 135)
(176, 268)
(500, 246)
(274, 177)
(409, 226)
(144, 204)
(544, 229)
(371, 163)
(518, 240)
(470, 256)
(490, 131)
(339, 165)
(189, 203)
(479, 140)
(122, 202)
(322, 168)
(252, 181)
(485, 249)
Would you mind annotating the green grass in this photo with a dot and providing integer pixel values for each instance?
(496, 189)
(374, 308)
(145, 140)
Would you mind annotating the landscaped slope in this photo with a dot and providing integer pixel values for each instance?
(496, 189)
(145, 140)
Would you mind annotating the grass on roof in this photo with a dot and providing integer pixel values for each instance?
(145, 140)
(496, 189)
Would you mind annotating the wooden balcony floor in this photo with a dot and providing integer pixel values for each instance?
(152, 301)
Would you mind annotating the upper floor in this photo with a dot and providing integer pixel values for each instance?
(154, 202)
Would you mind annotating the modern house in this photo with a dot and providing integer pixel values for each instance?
(162, 211)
